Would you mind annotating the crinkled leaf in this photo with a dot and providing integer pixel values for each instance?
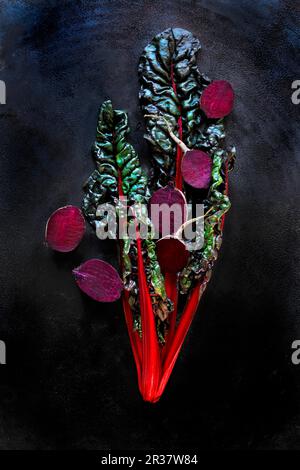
(121, 174)
(171, 85)
(102, 185)
(201, 261)
(114, 157)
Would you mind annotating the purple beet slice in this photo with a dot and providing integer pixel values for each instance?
(99, 280)
(196, 167)
(65, 229)
(168, 223)
(172, 254)
(217, 99)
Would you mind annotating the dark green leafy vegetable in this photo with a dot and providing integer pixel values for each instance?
(171, 85)
(102, 185)
(119, 169)
(112, 153)
(171, 90)
(201, 261)
(171, 95)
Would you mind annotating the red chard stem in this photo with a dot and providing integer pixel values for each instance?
(172, 293)
(151, 363)
(179, 153)
(181, 332)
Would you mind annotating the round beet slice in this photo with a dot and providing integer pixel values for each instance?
(196, 167)
(172, 254)
(167, 222)
(99, 280)
(65, 229)
(217, 99)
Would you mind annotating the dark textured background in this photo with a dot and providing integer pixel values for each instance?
(70, 380)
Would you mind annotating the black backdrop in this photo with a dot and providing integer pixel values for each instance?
(70, 380)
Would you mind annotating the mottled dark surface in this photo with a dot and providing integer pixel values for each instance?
(70, 380)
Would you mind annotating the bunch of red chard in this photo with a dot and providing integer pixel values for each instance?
(184, 114)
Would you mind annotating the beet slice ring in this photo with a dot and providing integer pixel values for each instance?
(171, 197)
(217, 99)
(172, 254)
(99, 280)
(65, 229)
(196, 168)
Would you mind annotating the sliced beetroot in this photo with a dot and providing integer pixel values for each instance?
(172, 254)
(170, 222)
(65, 229)
(217, 99)
(196, 167)
(99, 280)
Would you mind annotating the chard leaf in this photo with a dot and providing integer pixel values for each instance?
(102, 185)
(171, 85)
(118, 168)
(113, 154)
(202, 261)
(134, 180)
